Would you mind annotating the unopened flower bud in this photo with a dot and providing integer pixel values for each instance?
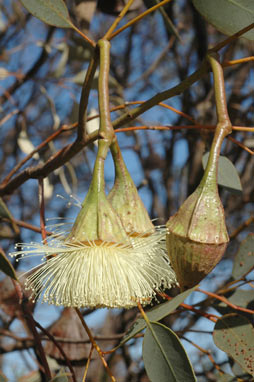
(197, 235)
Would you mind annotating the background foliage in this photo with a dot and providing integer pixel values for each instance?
(42, 70)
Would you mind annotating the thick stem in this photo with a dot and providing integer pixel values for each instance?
(106, 130)
(224, 126)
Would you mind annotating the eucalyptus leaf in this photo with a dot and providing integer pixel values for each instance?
(6, 267)
(234, 334)
(156, 314)
(244, 259)
(227, 174)
(228, 16)
(164, 356)
(52, 12)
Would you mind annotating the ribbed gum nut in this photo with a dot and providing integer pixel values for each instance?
(197, 235)
(125, 199)
(97, 221)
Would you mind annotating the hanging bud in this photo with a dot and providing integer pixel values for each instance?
(197, 235)
(125, 199)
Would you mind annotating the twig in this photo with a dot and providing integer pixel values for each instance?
(85, 37)
(209, 316)
(32, 327)
(123, 12)
(95, 345)
(37, 149)
(226, 301)
(242, 227)
(236, 62)
(42, 211)
(86, 87)
(68, 363)
(159, 97)
(206, 352)
(31, 324)
(241, 145)
(139, 17)
(8, 116)
(88, 363)
(228, 40)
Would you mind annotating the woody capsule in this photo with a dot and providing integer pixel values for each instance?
(197, 235)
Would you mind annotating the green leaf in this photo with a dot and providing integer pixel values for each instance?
(244, 260)
(52, 12)
(227, 174)
(164, 356)
(156, 314)
(6, 267)
(228, 16)
(235, 335)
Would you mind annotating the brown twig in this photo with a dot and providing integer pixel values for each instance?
(37, 149)
(206, 352)
(121, 15)
(232, 38)
(209, 316)
(226, 301)
(243, 60)
(139, 17)
(8, 116)
(31, 325)
(241, 227)
(241, 145)
(88, 363)
(42, 211)
(26, 225)
(95, 345)
(68, 363)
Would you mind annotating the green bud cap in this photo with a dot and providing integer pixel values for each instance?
(97, 220)
(125, 199)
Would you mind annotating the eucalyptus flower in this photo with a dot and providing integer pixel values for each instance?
(97, 263)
